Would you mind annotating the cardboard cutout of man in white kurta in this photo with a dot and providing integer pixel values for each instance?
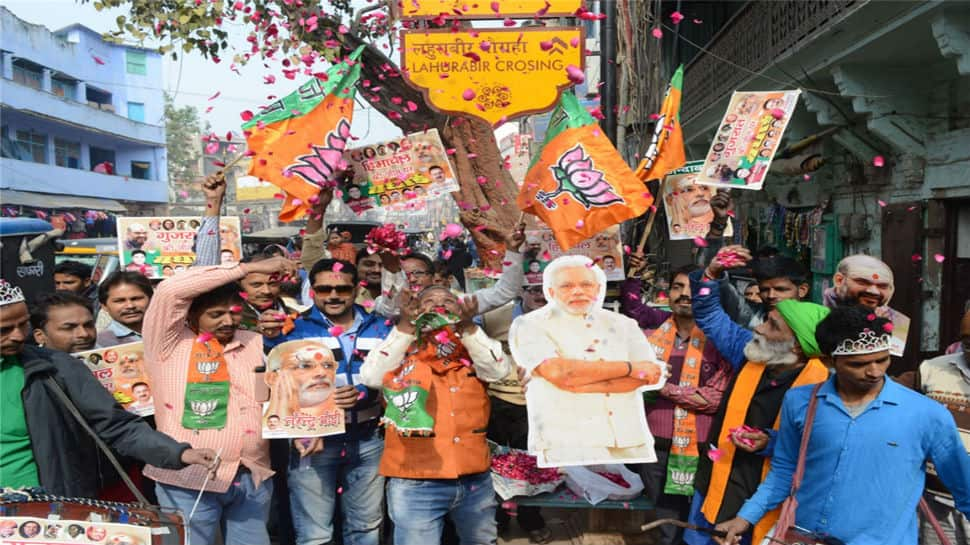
(588, 367)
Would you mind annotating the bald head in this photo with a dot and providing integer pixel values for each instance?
(863, 280)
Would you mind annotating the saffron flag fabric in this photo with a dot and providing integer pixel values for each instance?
(579, 184)
(298, 141)
(666, 151)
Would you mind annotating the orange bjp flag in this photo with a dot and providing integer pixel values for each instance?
(666, 151)
(579, 184)
(298, 141)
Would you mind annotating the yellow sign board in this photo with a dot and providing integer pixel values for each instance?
(485, 9)
(494, 74)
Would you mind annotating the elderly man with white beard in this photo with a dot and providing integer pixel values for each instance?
(776, 356)
(588, 367)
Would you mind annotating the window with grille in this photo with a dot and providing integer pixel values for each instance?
(33, 146)
(67, 153)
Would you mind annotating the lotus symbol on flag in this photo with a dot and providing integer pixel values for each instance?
(320, 167)
(682, 477)
(575, 174)
(681, 441)
(205, 407)
(404, 401)
(206, 368)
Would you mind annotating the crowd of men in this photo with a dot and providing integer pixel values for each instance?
(726, 425)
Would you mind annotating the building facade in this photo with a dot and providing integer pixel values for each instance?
(82, 122)
(886, 100)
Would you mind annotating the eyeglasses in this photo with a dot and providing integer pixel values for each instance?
(417, 274)
(341, 290)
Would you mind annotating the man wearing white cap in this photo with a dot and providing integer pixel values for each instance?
(41, 443)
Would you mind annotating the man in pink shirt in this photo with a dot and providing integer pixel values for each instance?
(203, 375)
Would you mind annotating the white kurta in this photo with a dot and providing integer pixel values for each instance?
(567, 428)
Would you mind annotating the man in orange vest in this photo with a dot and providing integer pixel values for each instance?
(779, 354)
(433, 368)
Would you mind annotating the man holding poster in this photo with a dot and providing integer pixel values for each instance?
(588, 367)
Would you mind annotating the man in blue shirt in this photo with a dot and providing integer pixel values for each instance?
(347, 464)
(866, 462)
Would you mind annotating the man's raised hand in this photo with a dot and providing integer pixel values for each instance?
(728, 257)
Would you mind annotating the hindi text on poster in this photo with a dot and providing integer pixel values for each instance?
(482, 73)
(482, 9)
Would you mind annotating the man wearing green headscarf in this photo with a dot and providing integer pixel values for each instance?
(779, 354)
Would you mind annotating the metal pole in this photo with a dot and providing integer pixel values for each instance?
(608, 80)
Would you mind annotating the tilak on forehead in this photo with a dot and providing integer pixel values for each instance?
(866, 266)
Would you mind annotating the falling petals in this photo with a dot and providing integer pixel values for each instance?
(887, 327)
(700, 242)
(657, 33)
(468, 94)
(777, 113)
(204, 337)
(246, 115)
(704, 291)
(575, 74)
(917, 258)
(335, 331)
(676, 17)
(878, 161)
(714, 453)
(881, 203)
(939, 258)
(337, 267)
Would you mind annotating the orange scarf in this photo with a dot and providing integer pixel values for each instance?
(737, 409)
(682, 462)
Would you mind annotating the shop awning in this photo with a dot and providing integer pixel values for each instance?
(58, 202)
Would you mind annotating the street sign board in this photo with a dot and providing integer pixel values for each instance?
(493, 74)
(484, 9)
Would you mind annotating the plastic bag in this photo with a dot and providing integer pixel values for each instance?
(603, 482)
(514, 473)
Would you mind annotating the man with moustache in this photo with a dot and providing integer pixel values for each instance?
(680, 415)
(41, 442)
(125, 296)
(777, 355)
(203, 373)
(349, 460)
(588, 366)
(63, 321)
(868, 448)
(865, 280)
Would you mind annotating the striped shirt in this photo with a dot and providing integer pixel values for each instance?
(168, 343)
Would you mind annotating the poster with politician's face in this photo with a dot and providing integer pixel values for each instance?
(121, 370)
(302, 377)
(688, 204)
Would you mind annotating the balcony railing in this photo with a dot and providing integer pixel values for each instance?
(756, 36)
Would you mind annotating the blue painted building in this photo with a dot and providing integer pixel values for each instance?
(82, 121)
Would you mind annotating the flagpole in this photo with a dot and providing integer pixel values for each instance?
(653, 215)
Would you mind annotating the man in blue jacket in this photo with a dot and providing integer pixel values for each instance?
(321, 468)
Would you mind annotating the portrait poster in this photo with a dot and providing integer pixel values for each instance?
(688, 204)
(478, 279)
(747, 138)
(588, 368)
(605, 249)
(159, 246)
(302, 377)
(54, 531)
(400, 174)
(121, 370)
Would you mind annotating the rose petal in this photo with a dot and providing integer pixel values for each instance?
(336, 330)
(657, 33)
(878, 161)
(940, 258)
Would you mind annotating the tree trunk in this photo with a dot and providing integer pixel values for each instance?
(488, 209)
